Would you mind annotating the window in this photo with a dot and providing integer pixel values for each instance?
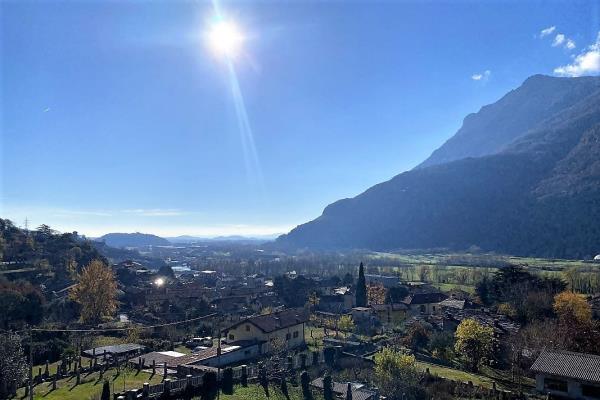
(288, 336)
(422, 308)
(295, 334)
(247, 328)
(231, 337)
(555, 384)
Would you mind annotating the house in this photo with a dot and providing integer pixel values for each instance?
(212, 357)
(424, 303)
(568, 374)
(390, 313)
(452, 304)
(361, 314)
(359, 390)
(208, 357)
(337, 303)
(271, 330)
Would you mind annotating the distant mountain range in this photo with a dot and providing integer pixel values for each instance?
(521, 176)
(229, 238)
(121, 240)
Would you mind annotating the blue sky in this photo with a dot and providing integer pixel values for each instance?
(117, 116)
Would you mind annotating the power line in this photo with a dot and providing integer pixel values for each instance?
(125, 329)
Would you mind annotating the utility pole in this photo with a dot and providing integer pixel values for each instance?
(218, 357)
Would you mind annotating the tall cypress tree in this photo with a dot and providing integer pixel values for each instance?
(361, 287)
(327, 387)
(105, 391)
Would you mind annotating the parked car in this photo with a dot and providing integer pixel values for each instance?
(199, 341)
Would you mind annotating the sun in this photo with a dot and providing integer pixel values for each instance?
(225, 39)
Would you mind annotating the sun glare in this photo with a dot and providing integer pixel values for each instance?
(225, 39)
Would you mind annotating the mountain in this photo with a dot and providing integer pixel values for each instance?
(137, 239)
(522, 176)
(230, 238)
(497, 125)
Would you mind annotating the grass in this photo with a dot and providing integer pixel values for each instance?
(182, 349)
(456, 375)
(316, 341)
(485, 378)
(256, 392)
(446, 287)
(90, 386)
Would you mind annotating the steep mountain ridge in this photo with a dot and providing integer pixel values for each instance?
(526, 198)
(497, 125)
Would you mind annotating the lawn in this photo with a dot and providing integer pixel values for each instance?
(90, 386)
(256, 392)
(455, 374)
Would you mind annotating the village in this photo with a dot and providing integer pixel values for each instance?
(179, 329)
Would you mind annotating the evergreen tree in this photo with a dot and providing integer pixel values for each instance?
(188, 392)
(228, 381)
(327, 387)
(361, 287)
(105, 391)
(305, 383)
(244, 379)
(209, 385)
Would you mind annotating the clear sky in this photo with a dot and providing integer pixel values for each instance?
(118, 115)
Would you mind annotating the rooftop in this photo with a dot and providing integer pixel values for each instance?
(275, 321)
(115, 349)
(425, 298)
(567, 364)
(359, 391)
